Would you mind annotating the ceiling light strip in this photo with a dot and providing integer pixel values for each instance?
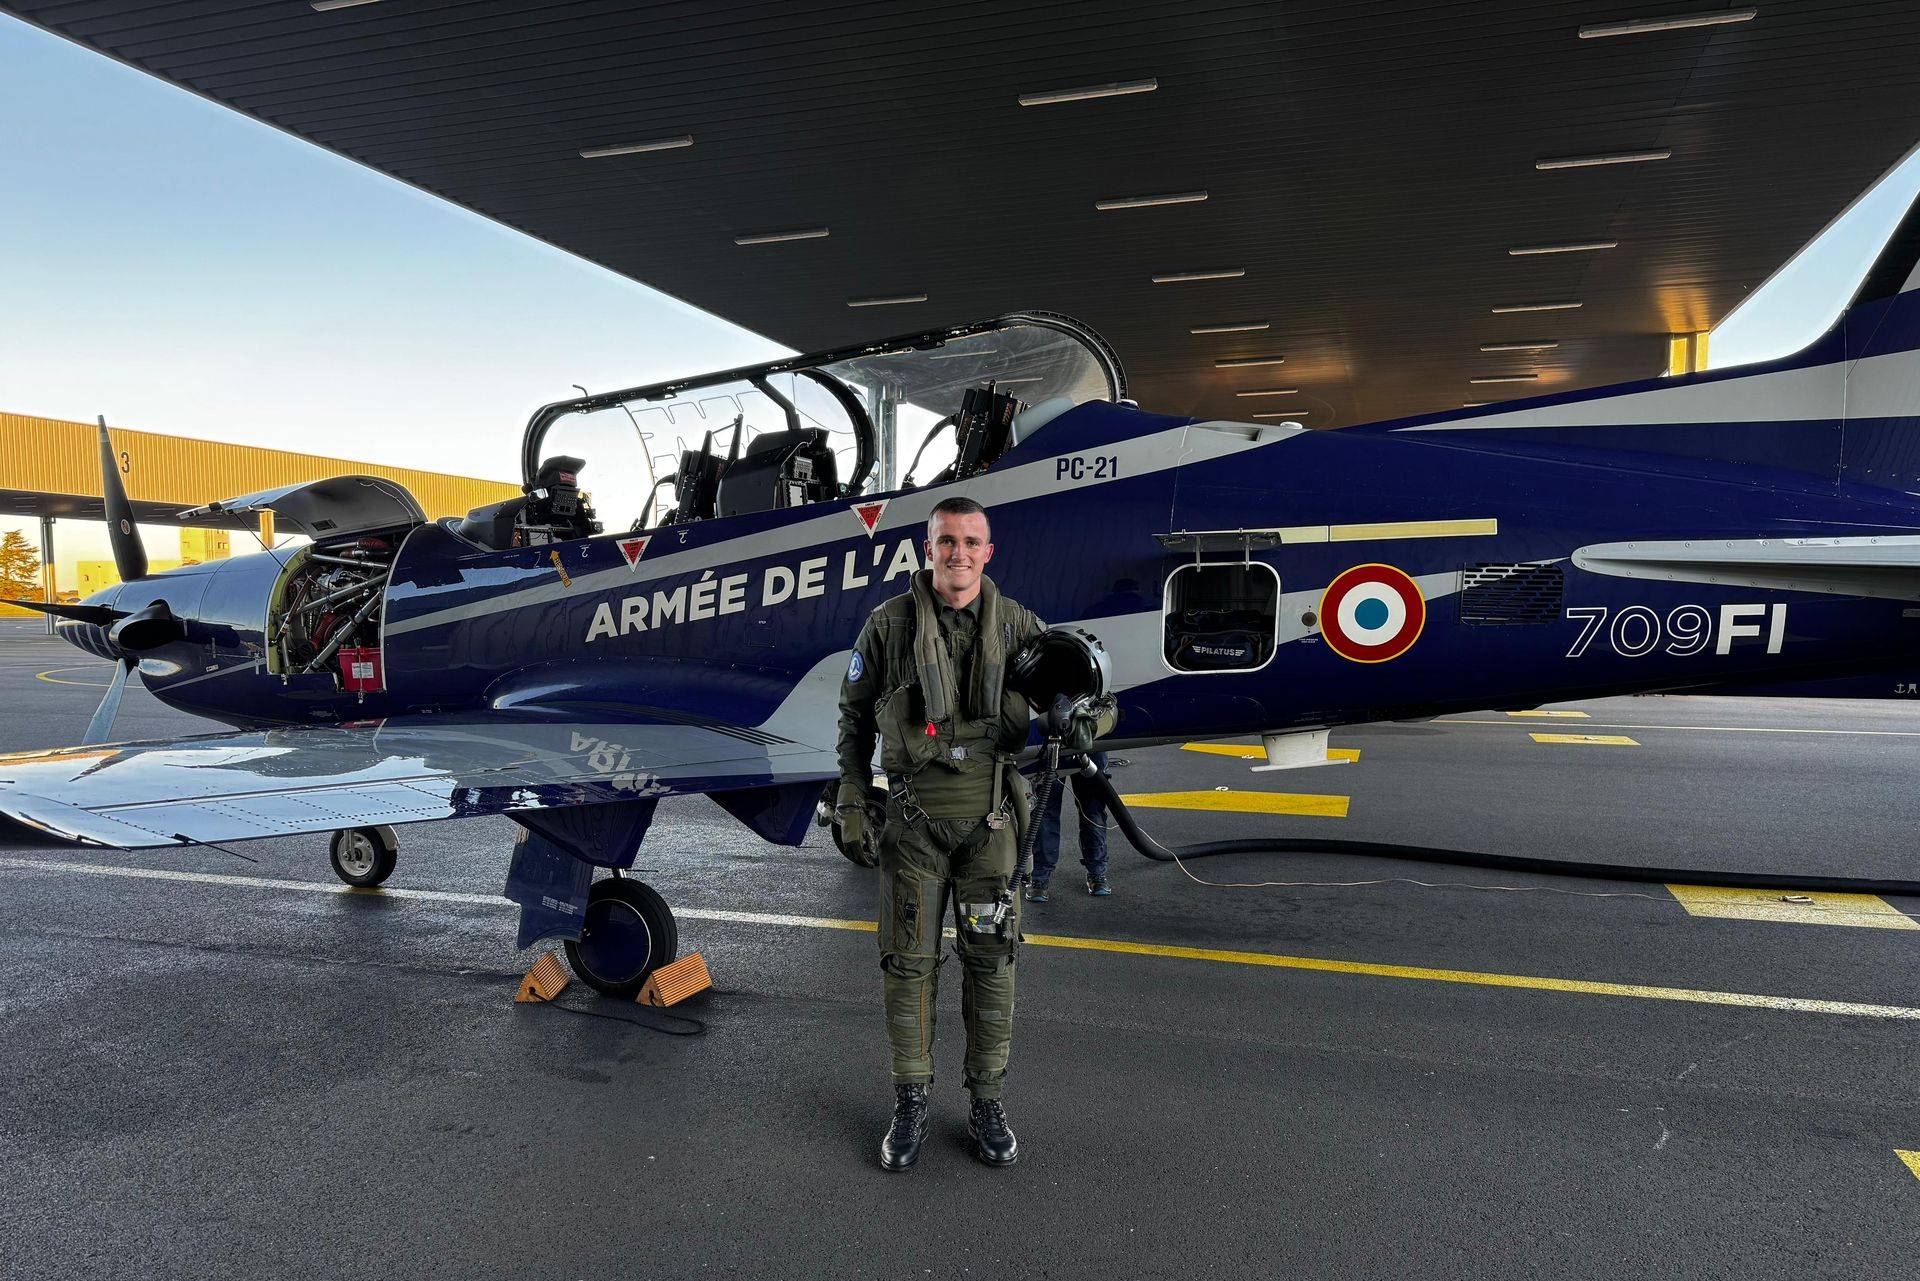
(1290, 413)
(1269, 391)
(1505, 378)
(1580, 247)
(1248, 362)
(886, 300)
(1148, 202)
(1518, 346)
(1609, 158)
(1536, 306)
(781, 237)
(1118, 89)
(1181, 277)
(1679, 22)
(635, 148)
(1251, 327)
(328, 6)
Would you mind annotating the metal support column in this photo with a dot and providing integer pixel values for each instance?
(886, 425)
(48, 585)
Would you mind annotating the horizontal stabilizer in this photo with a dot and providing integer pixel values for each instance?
(1886, 567)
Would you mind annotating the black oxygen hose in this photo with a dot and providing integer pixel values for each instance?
(1495, 862)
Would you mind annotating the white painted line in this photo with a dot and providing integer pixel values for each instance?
(431, 896)
(1373, 969)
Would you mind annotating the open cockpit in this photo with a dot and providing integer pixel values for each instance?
(807, 429)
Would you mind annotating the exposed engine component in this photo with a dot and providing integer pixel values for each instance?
(328, 602)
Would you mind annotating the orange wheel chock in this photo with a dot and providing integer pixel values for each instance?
(676, 981)
(544, 981)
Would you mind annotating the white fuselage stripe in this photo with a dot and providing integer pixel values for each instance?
(1877, 387)
(1141, 456)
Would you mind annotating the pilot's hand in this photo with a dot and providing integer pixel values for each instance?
(852, 822)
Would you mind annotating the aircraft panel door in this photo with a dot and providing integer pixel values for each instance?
(1221, 617)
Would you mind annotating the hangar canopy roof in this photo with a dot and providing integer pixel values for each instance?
(1374, 173)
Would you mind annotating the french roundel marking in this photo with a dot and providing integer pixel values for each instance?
(1372, 613)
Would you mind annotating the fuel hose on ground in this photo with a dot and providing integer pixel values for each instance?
(1147, 845)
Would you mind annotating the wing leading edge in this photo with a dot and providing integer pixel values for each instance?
(282, 782)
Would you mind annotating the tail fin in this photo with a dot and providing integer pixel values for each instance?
(1844, 410)
(1878, 339)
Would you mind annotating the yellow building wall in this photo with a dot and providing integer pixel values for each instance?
(198, 546)
(93, 575)
(54, 456)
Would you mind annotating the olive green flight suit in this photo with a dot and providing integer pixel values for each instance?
(948, 731)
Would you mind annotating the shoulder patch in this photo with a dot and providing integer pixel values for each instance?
(856, 669)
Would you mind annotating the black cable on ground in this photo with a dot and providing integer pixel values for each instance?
(652, 1020)
(1497, 862)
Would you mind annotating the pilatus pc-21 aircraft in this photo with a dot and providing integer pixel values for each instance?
(1244, 578)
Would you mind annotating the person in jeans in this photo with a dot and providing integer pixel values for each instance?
(1092, 801)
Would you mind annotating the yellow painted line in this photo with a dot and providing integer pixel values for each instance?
(1255, 752)
(1583, 987)
(1596, 740)
(51, 679)
(1413, 529)
(1715, 729)
(1867, 910)
(1562, 715)
(1272, 960)
(1242, 802)
(1911, 1160)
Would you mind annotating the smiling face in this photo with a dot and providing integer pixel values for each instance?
(958, 549)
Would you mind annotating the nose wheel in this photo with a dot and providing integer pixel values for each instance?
(628, 933)
(363, 856)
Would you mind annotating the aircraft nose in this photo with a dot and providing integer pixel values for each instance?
(91, 637)
(88, 636)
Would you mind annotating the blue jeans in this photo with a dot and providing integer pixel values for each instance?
(1093, 827)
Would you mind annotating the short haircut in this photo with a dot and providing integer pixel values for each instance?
(956, 506)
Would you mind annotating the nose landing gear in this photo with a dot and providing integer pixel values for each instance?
(628, 933)
(363, 856)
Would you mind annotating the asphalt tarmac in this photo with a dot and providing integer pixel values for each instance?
(240, 1069)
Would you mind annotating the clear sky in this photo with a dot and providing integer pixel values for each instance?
(179, 268)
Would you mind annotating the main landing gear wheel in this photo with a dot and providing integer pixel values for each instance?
(629, 932)
(363, 856)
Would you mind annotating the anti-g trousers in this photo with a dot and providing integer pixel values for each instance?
(922, 870)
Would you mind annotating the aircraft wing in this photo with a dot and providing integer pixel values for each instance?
(280, 782)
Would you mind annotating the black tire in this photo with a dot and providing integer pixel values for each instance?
(629, 932)
(876, 817)
(363, 856)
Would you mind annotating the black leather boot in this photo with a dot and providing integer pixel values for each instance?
(901, 1147)
(993, 1141)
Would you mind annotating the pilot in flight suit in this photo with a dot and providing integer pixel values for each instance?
(928, 678)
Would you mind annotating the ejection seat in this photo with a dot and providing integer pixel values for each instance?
(552, 504)
(780, 469)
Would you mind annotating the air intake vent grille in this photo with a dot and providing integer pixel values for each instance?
(1510, 595)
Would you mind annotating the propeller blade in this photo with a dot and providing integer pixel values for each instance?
(102, 723)
(99, 615)
(129, 555)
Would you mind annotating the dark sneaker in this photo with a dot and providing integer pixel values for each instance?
(901, 1147)
(1097, 886)
(993, 1141)
(1038, 894)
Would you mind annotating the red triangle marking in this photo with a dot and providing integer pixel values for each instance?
(633, 549)
(869, 513)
